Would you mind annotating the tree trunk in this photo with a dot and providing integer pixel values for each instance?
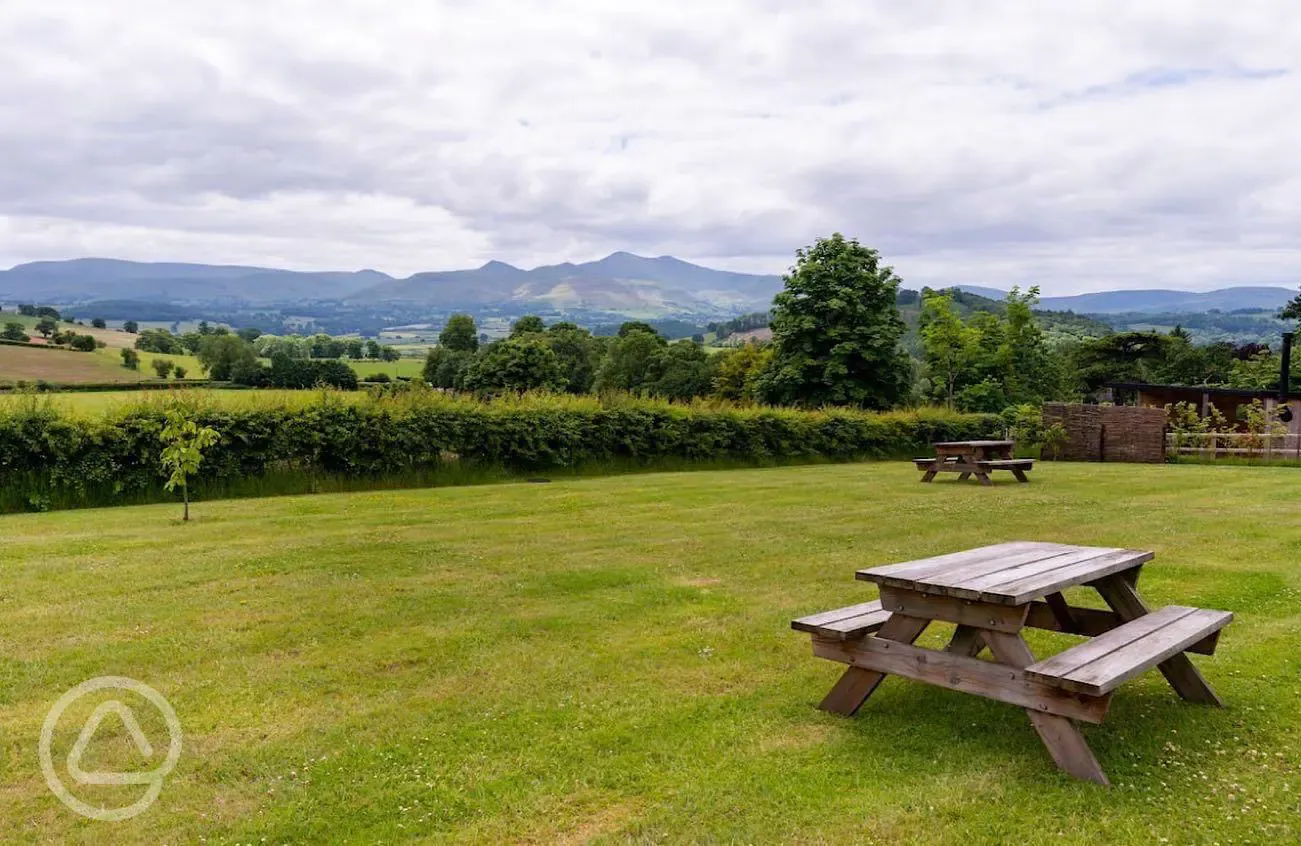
(185, 495)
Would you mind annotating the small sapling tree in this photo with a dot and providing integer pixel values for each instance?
(184, 441)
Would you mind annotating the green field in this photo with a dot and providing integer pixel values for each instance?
(610, 660)
(100, 402)
(412, 368)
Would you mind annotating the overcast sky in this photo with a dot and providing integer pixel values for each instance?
(1080, 145)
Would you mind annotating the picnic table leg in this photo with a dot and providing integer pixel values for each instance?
(929, 477)
(857, 684)
(966, 641)
(1065, 744)
(962, 477)
(1183, 675)
(983, 478)
(1020, 475)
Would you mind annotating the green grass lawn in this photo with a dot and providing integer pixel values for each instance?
(610, 659)
(412, 368)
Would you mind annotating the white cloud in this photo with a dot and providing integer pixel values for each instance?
(1078, 145)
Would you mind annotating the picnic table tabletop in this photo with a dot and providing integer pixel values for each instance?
(1007, 573)
(975, 444)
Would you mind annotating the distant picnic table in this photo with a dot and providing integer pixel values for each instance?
(991, 594)
(974, 458)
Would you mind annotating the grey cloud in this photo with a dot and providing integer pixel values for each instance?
(981, 145)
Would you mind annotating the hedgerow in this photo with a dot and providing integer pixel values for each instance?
(50, 458)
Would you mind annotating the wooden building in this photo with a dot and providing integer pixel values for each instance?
(1226, 400)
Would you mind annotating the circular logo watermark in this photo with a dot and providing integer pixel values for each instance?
(152, 778)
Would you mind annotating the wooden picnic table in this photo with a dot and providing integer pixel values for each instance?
(990, 594)
(974, 458)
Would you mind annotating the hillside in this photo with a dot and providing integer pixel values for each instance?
(620, 282)
(1160, 300)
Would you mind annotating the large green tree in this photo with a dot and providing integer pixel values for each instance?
(950, 348)
(631, 360)
(460, 334)
(836, 331)
(222, 355)
(516, 364)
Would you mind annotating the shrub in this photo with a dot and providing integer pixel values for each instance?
(74, 460)
(84, 343)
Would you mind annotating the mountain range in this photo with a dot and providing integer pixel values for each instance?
(619, 283)
(1157, 300)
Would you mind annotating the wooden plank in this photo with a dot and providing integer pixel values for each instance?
(851, 627)
(938, 563)
(966, 641)
(1007, 463)
(805, 624)
(1064, 663)
(973, 561)
(1061, 610)
(857, 684)
(1004, 618)
(1179, 671)
(969, 582)
(1068, 748)
(959, 672)
(1105, 674)
(1033, 587)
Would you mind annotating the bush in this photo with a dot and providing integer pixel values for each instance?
(83, 343)
(378, 377)
(74, 460)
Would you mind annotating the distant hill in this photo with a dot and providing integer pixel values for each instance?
(1159, 300)
(620, 282)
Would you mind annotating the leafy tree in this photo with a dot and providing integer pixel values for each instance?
(131, 326)
(739, 370)
(579, 354)
(1291, 311)
(631, 360)
(47, 326)
(130, 359)
(162, 366)
(460, 334)
(636, 326)
(98, 323)
(950, 347)
(249, 334)
(1123, 357)
(445, 368)
(355, 349)
(683, 371)
(192, 341)
(184, 441)
(15, 331)
(836, 330)
(390, 354)
(179, 372)
(529, 324)
(521, 363)
(372, 348)
(82, 343)
(46, 311)
(27, 310)
(221, 354)
(159, 341)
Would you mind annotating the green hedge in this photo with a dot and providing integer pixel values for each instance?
(50, 459)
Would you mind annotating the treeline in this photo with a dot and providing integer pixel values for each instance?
(53, 459)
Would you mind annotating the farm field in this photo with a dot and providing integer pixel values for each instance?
(32, 364)
(604, 660)
(412, 368)
(100, 402)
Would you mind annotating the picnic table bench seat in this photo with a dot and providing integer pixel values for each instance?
(1007, 464)
(847, 623)
(1102, 664)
